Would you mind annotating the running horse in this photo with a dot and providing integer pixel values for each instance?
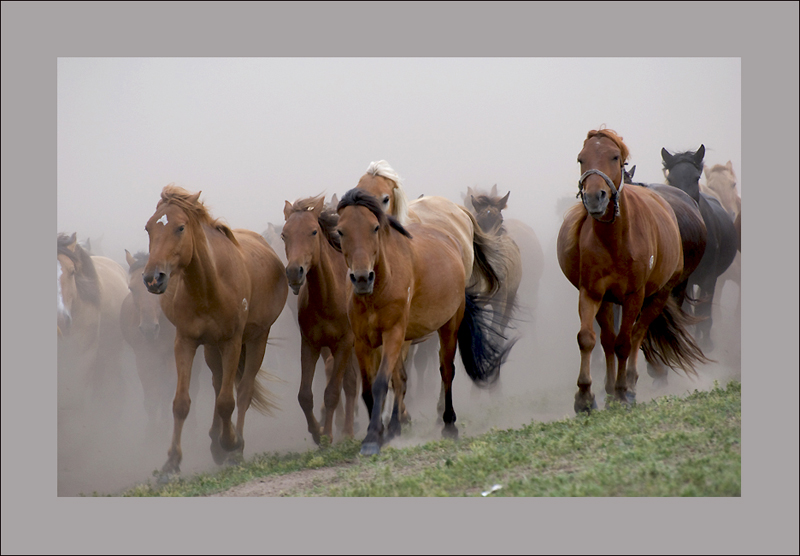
(90, 294)
(317, 275)
(408, 282)
(622, 245)
(683, 171)
(222, 289)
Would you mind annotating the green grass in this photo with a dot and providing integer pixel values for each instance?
(669, 446)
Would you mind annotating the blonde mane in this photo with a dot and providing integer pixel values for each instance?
(382, 168)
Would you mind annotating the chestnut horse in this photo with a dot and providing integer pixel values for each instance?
(317, 274)
(90, 294)
(683, 170)
(623, 245)
(408, 282)
(222, 289)
(152, 337)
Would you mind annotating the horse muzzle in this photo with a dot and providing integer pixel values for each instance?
(150, 331)
(363, 281)
(596, 203)
(156, 283)
(296, 277)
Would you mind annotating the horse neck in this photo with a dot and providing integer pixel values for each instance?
(200, 276)
(326, 278)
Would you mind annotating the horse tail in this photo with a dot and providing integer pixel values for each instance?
(668, 342)
(262, 400)
(490, 263)
(482, 345)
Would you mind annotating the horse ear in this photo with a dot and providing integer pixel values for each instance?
(73, 242)
(633, 171)
(334, 201)
(317, 208)
(194, 198)
(504, 201)
(270, 227)
(729, 166)
(666, 157)
(287, 210)
(129, 258)
(494, 191)
(698, 156)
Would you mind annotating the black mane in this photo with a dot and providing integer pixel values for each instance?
(359, 197)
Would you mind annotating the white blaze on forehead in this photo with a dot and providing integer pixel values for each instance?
(163, 220)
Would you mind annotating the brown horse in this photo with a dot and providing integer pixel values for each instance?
(623, 246)
(406, 284)
(152, 337)
(317, 274)
(222, 289)
(90, 294)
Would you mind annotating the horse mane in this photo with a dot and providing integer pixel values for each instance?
(196, 209)
(87, 282)
(327, 219)
(617, 139)
(382, 168)
(359, 197)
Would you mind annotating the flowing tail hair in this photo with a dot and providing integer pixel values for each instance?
(491, 261)
(262, 400)
(669, 342)
(483, 347)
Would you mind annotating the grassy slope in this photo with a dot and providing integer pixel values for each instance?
(667, 447)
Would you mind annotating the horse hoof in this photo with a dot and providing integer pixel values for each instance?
(166, 477)
(582, 407)
(450, 431)
(630, 397)
(370, 449)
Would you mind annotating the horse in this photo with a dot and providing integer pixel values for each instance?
(317, 275)
(482, 254)
(406, 283)
(526, 255)
(683, 170)
(693, 243)
(622, 245)
(222, 289)
(90, 294)
(151, 336)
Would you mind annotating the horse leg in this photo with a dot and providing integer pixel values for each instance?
(350, 387)
(703, 311)
(631, 309)
(587, 338)
(608, 337)
(399, 412)
(214, 361)
(184, 356)
(225, 404)
(333, 388)
(392, 345)
(448, 340)
(308, 362)
(254, 355)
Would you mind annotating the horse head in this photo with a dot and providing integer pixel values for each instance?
(148, 306)
(301, 236)
(683, 170)
(602, 160)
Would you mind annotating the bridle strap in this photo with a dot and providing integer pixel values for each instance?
(614, 191)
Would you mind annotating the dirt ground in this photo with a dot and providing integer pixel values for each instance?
(107, 450)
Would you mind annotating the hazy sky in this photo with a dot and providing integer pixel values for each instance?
(254, 132)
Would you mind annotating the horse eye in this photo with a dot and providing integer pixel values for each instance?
(340, 232)
(181, 228)
(377, 227)
(314, 233)
(385, 199)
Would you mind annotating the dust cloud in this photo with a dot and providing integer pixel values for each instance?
(252, 133)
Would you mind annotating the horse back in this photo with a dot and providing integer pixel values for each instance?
(113, 282)
(444, 214)
(268, 285)
(721, 245)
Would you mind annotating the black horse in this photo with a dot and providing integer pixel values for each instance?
(683, 171)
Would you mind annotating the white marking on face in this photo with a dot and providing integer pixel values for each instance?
(59, 272)
(651, 261)
(163, 220)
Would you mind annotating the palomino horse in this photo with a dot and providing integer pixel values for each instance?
(623, 246)
(317, 275)
(222, 289)
(683, 171)
(152, 337)
(90, 295)
(406, 284)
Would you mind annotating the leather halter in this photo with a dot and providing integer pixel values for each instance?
(614, 191)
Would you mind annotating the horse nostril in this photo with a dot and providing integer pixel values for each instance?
(602, 194)
(371, 276)
(352, 278)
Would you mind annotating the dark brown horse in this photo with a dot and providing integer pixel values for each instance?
(406, 284)
(683, 170)
(317, 275)
(222, 289)
(623, 246)
(152, 338)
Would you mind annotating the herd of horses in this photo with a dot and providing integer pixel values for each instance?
(376, 279)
